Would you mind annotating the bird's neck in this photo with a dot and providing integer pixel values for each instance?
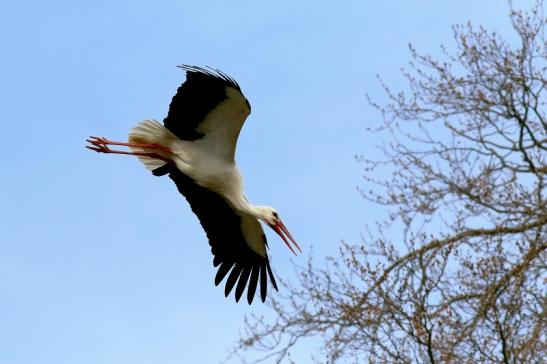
(259, 212)
(244, 206)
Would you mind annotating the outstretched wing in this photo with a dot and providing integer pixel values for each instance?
(208, 109)
(225, 231)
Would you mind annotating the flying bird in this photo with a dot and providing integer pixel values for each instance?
(195, 147)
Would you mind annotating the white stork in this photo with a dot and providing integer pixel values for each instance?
(195, 146)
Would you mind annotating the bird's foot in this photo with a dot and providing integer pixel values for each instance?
(98, 147)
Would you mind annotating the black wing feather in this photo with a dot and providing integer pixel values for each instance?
(232, 279)
(272, 278)
(243, 278)
(203, 90)
(223, 228)
(252, 283)
(263, 282)
(222, 271)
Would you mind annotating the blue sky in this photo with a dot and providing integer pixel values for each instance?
(100, 262)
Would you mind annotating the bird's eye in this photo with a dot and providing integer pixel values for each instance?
(275, 214)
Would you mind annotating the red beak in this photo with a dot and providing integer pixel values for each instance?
(282, 231)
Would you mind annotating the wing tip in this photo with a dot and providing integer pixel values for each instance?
(232, 279)
(246, 277)
(222, 271)
(210, 71)
(272, 278)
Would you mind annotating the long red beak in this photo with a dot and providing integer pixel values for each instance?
(281, 230)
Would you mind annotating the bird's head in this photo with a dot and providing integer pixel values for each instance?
(271, 217)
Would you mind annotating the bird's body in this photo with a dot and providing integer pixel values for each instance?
(193, 158)
(195, 146)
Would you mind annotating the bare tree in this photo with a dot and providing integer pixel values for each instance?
(466, 167)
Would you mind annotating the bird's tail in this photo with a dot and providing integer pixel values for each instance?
(151, 132)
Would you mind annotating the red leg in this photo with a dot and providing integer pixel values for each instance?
(104, 149)
(100, 145)
(101, 141)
